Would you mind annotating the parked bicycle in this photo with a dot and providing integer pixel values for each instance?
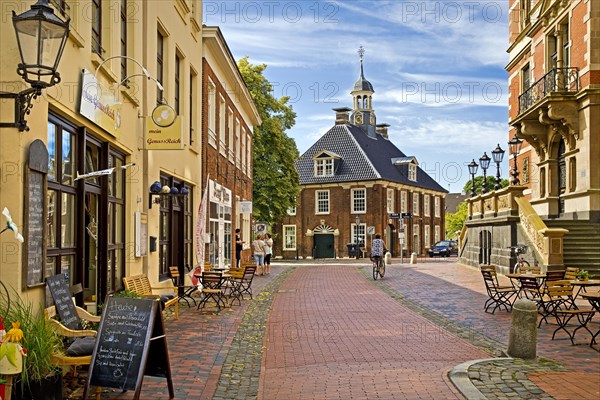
(378, 266)
(521, 265)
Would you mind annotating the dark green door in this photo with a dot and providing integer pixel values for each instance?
(324, 246)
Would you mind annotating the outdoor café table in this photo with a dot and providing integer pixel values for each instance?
(583, 285)
(594, 299)
(519, 277)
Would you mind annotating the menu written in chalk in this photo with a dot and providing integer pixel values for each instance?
(35, 229)
(121, 347)
(57, 284)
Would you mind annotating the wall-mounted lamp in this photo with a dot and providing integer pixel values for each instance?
(158, 190)
(41, 37)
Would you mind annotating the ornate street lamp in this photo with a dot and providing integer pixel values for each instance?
(41, 37)
(484, 161)
(473, 170)
(357, 224)
(497, 155)
(515, 147)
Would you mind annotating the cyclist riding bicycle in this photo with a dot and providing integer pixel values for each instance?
(377, 247)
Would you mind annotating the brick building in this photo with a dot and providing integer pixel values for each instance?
(554, 104)
(351, 179)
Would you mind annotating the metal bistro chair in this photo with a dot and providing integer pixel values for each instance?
(246, 285)
(212, 288)
(562, 306)
(498, 296)
(184, 292)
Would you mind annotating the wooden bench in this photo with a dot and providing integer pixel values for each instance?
(141, 285)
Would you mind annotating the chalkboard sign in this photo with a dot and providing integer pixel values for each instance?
(34, 228)
(131, 343)
(61, 295)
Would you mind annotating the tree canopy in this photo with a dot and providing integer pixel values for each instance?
(275, 179)
(490, 180)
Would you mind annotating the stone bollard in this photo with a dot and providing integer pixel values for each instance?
(522, 340)
(413, 258)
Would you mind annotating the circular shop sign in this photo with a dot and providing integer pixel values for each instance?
(163, 115)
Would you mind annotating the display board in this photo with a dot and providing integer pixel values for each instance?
(131, 343)
(57, 284)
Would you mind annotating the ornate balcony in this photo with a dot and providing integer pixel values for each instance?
(560, 80)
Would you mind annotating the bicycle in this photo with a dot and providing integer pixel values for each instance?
(521, 263)
(378, 266)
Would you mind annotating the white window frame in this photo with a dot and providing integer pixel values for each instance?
(412, 172)
(323, 167)
(230, 129)
(354, 200)
(416, 239)
(436, 206)
(390, 200)
(248, 155)
(415, 196)
(361, 233)
(222, 124)
(436, 233)
(426, 236)
(244, 153)
(318, 200)
(211, 112)
(289, 232)
(238, 148)
(426, 205)
(403, 201)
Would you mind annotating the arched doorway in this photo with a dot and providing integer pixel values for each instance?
(323, 241)
(485, 247)
(562, 176)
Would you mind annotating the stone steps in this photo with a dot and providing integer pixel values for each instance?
(581, 246)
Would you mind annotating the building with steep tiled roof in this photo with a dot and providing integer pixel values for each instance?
(353, 180)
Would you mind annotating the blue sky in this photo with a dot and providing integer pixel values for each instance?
(437, 68)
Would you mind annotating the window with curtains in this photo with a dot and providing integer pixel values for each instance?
(61, 197)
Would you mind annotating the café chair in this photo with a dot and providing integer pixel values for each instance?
(497, 296)
(212, 288)
(246, 285)
(184, 292)
(562, 306)
(571, 273)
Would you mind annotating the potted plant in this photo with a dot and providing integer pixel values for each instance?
(39, 379)
(583, 275)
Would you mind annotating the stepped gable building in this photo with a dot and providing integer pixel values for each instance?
(351, 179)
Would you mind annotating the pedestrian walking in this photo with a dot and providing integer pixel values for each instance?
(239, 245)
(258, 249)
(268, 253)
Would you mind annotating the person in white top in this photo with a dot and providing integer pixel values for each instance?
(258, 249)
(268, 253)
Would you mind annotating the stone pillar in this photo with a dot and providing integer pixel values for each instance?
(413, 258)
(522, 340)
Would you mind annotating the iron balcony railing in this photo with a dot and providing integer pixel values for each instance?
(557, 80)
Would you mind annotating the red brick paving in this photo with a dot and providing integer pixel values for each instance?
(568, 385)
(332, 334)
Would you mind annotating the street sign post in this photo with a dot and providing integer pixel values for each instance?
(406, 215)
(394, 215)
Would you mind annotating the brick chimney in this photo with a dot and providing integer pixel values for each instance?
(382, 129)
(342, 115)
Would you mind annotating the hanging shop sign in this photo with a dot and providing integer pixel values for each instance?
(99, 104)
(164, 129)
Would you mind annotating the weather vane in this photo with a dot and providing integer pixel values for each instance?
(361, 52)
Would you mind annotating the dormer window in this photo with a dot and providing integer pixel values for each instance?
(412, 172)
(324, 163)
(411, 163)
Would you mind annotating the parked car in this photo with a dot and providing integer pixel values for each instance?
(444, 248)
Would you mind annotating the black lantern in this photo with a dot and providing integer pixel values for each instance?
(515, 147)
(484, 161)
(473, 170)
(497, 155)
(41, 37)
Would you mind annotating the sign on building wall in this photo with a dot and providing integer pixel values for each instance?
(219, 194)
(245, 207)
(99, 105)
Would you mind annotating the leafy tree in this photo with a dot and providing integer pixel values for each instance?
(276, 181)
(490, 180)
(455, 222)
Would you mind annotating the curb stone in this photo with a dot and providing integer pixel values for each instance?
(459, 376)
